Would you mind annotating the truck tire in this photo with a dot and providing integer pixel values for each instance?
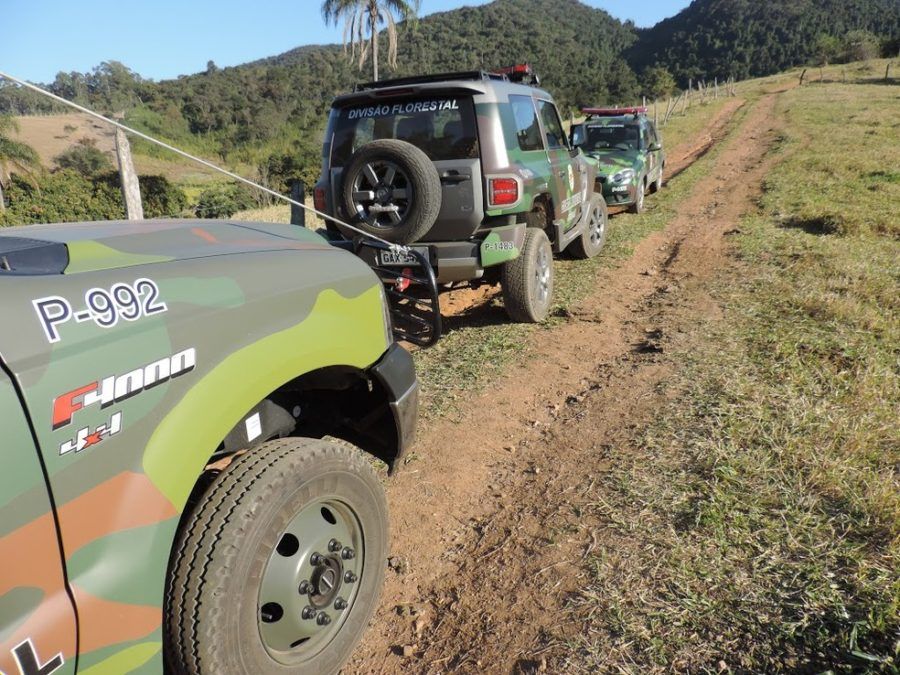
(291, 532)
(657, 185)
(391, 190)
(591, 241)
(527, 281)
(638, 205)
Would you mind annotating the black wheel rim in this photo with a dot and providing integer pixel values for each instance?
(311, 581)
(381, 194)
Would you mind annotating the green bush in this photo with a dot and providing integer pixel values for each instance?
(222, 201)
(66, 196)
(61, 197)
(85, 158)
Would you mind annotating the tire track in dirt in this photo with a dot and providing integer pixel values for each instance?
(462, 300)
(486, 546)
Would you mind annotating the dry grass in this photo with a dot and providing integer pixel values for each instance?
(278, 214)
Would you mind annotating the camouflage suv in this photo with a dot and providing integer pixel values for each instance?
(625, 146)
(473, 170)
(174, 493)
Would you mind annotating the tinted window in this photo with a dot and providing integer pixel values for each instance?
(443, 128)
(528, 133)
(552, 125)
(620, 136)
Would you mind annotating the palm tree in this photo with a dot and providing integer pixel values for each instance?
(14, 155)
(362, 16)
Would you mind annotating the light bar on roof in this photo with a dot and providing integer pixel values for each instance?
(613, 112)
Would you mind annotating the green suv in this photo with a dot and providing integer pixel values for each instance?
(626, 149)
(472, 171)
(189, 412)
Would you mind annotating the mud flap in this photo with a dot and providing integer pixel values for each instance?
(411, 288)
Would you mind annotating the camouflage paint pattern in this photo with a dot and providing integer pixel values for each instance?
(562, 177)
(610, 161)
(565, 176)
(502, 245)
(248, 307)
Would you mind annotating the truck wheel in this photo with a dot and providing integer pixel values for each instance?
(280, 566)
(638, 205)
(656, 186)
(527, 281)
(593, 238)
(392, 190)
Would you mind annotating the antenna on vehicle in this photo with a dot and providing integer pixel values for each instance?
(199, 160)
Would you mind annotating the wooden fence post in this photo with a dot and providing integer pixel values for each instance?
(131, 189)
(802, 75)
(298, 194)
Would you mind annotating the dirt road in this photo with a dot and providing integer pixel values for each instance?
(487, 538)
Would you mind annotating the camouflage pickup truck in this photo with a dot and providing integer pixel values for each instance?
(627, 150)
(183, 405)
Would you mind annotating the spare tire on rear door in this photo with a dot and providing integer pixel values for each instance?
(391, 190)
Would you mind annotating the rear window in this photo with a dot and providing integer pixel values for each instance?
(443, 128)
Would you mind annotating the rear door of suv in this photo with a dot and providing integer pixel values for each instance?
(567, 180)
(443, 126)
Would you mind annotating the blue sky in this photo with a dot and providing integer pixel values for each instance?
(165, 38)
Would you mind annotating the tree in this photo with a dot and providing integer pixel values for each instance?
(360, 16)
(658, 82)
(861, 45)
(15, 156)
(827, 49)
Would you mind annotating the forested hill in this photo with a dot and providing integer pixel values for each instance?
(270, 113)
(749, 38)
(576, 49)
(276, 107)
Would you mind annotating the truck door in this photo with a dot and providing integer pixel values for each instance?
(37, 620)
(567, 181)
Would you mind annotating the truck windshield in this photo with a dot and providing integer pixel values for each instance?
(443, 128)
(624, 137)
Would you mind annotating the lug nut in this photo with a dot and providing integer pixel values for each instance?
(323, 619)
(340, 604)
(348, 553)
(305, 588)
(349, 577)
(308, 613)
(334, 546)
(316, 559)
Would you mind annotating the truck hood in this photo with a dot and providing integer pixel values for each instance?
(609, 162)
(70, 248)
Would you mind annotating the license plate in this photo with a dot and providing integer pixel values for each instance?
(400, 257)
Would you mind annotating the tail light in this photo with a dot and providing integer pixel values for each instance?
(319, 199)
(504, 191)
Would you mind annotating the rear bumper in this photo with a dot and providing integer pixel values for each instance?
(396, 372)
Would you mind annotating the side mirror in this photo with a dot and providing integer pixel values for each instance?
(576, 135)
(655, 147)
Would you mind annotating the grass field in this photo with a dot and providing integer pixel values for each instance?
(767, 493)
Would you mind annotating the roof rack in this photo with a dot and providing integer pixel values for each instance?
(435, 77)
(614, 112)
